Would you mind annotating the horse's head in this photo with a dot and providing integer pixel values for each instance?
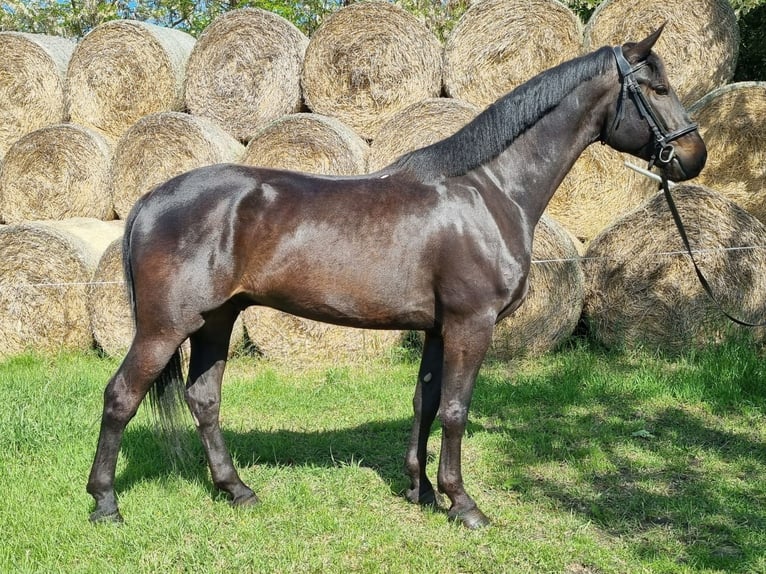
(647, 119)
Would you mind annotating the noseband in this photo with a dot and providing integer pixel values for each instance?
(664, 151)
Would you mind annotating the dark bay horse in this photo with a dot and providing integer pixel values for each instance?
(439, 241)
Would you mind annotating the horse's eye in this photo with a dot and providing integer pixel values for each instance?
(661, 90)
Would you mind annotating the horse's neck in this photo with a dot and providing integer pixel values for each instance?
(530, 170)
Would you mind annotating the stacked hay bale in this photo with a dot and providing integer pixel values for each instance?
(311, 143)
(245, 71)
(417, 126)
(161, 146)
(699, 44)
(32, 79)
(124, 70)
(44, 269)
(281, 337)
(554, 302)
(56, 172)
(732, 122)
(597, 190)
(108, 307)
(109, 310)
(641, 287)
(499, 44)
(368, 61)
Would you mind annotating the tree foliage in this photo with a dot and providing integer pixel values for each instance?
(74, 18)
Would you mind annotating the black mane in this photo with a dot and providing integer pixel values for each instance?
(492, 131)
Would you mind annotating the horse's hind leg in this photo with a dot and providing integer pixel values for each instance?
(143, 363)
(209, 350)
(425, 406)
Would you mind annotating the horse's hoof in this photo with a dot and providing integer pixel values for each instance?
(106, 517)
(245, 501)
(471, 519)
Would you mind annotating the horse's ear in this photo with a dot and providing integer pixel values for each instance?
(639, 51)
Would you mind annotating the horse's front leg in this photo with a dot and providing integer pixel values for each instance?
(464, 348)
(425, 406)
(209, 349)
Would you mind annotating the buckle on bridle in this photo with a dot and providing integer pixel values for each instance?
(667, 153)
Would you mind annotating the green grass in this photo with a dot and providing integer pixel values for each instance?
(586, 462)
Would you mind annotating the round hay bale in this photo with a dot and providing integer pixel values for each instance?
(554, 302)
(56, 172)
(245, 71)
(498, 45)
(368, 61)
(32, 80)
(108, 305)
(124, 70)
(641, 288)
(44, 270)
(732, 122)
(597, 190)
(281, 337)
(417, 126)
(110, 315)
(308, 142)
(163, 145)
(699, 45)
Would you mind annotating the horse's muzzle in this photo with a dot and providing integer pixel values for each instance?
(689, 158)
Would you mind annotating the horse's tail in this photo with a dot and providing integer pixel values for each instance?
(166, 396)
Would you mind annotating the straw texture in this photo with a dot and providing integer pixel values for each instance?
(641, 288)
(417, 126)
(282, 337)
(699, 45)
(245, 71)
(32, 79)
(732, 122)
(499, 44)
(311, 143)
(163, 145)
(56, 172)
(554, 302)
(44, 269)
(368, 61)
(123, 70)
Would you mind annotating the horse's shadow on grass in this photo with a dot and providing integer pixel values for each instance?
(378, 445)
(646, 481)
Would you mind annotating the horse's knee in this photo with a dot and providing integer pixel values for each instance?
(454, 416)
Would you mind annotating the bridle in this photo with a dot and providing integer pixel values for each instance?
(664, 151)
(663, 154)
